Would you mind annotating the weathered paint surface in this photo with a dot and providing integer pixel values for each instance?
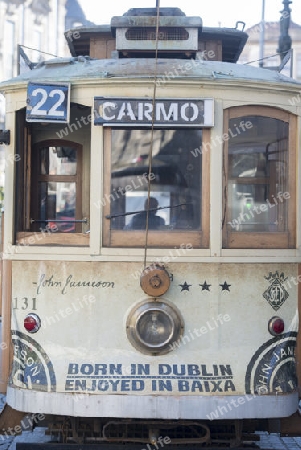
(225, 349)
(72, 70)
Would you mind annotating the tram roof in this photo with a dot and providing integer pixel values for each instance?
(135, 27)
(83, 70)
(232, 39)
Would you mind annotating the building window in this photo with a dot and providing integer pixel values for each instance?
(260, 173)
(9, 46)
(171, 199)
(298, 66)
(37, 56)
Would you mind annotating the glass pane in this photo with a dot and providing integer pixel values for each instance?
(175, 179)
(258, 173)
(58, 161)
(57, 206)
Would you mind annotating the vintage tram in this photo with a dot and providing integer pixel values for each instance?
(151, 250)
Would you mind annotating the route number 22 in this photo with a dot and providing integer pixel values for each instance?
(47, 103)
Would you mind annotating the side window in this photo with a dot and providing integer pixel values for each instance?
(259, 167)
(52, 175)
(178, 203)
(56, 187)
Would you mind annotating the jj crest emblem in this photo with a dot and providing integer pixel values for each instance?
(276, 294)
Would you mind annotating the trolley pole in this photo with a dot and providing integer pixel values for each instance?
(262, 32)
(285, 41)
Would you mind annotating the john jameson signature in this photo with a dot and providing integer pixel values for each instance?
(69, 282)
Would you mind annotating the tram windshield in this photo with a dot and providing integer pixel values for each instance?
(258, 175)
(174, 175)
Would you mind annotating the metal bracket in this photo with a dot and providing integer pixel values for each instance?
(59, 221)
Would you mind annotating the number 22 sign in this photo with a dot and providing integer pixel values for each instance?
(48, 102)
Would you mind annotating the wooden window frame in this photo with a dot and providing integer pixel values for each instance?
(263, 240)
(29, 237)
(165, 238)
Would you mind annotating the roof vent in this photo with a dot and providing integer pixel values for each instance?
(149, 34)
(136, 31)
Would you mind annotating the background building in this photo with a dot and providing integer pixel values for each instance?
(251, 51)
(75, 16)
(37, 24)
(38, 27)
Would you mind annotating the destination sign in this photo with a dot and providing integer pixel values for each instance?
(145, 112)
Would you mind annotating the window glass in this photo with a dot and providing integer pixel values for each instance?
(57, 204)
(58, 161)
(55, 188)
(175, 179)
(258, 175)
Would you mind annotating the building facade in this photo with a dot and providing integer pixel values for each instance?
(37, 26)
(251, 52)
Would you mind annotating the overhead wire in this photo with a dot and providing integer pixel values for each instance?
(150, 153)
(39, 51)
(261, 59)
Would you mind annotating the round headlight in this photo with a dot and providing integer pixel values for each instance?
(153, 326)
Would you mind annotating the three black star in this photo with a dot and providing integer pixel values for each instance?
(185, 286)
(205, 286)
(225, 286)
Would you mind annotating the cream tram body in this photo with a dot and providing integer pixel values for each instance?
(232, 273)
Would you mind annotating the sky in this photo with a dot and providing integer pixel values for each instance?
(213, 12)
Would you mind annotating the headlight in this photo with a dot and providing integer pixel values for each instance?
(154, 325)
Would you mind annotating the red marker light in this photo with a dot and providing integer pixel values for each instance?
(276, 326)
(32, 323)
